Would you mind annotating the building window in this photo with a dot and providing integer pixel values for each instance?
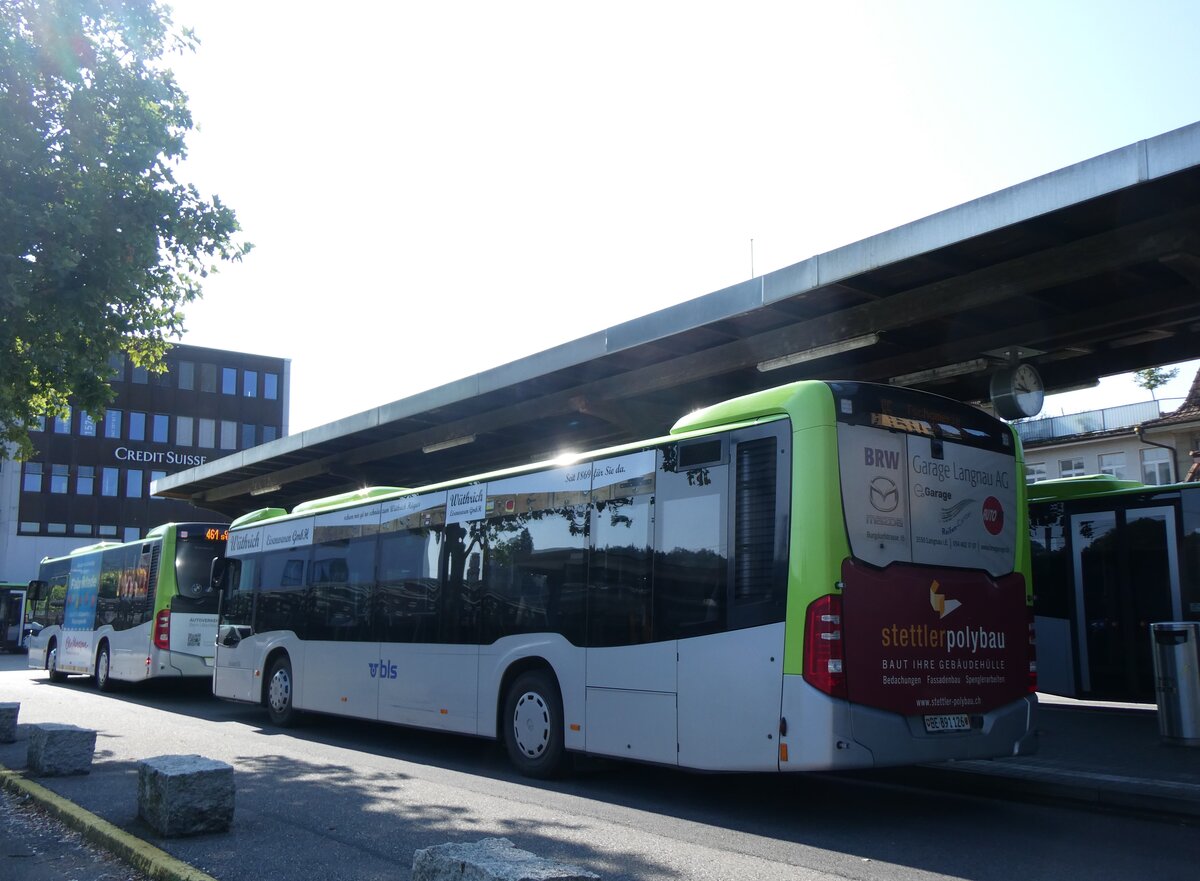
(112, 423)
(139, 375)
(108, 481)
(132, 533)
(116, 364)
(33, 477)
(85, 480)
(183, 431)
(105, 531)
(1070, 467)
(249, 433)
(269, 433)
(56, 528)
(270, 386)
(137, 425)
(133, 483)
(1035, 471)
(1156, 466)
(82, 529)
(39, 424)
(208, 377)
(59, 476)
(159, 428)
(156, 475)
(29, 527)
(62, 424)
(87, 425)
(208, 433)
(250, 384)
(187, 376)
(1113, 464)
(228, 434)
(229, 380)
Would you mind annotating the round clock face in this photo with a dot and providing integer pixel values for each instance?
(1017, 392)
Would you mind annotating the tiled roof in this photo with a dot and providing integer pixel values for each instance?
(1189, 411)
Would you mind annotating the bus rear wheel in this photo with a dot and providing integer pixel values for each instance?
(533, 725)
(103, 663)
(279, 693)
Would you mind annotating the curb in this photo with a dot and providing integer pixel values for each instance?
(1165, 799)
(142, 855)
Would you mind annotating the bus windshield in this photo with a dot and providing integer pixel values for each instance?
(193, 561)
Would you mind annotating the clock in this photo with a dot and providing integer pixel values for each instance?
(1017, 391)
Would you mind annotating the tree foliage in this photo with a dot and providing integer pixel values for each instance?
(100, 245)
(1154, 377)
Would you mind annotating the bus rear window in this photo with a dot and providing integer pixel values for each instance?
(933, 484)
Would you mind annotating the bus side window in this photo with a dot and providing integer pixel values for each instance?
(281, 598)
(691, 559)
(761, 525)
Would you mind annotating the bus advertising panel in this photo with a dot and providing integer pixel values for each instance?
(79, 617)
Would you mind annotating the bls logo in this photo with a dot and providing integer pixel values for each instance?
(384, 670)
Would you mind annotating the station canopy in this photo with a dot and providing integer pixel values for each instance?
(1085, 272)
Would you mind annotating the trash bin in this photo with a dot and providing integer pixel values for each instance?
(1177, 680)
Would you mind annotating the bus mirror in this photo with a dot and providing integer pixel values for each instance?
(37, 590)
(224, 574)
(216, 573)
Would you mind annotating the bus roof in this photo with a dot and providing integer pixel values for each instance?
(1087, 485)
(157, 532)
(762, 413)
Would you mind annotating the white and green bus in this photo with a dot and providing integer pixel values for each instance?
(130, 611)
(824, 575)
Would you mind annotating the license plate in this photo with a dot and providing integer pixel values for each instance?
(951, 722)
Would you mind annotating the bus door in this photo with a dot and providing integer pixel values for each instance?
(1126, 567)
(12, 618)
(233, 672)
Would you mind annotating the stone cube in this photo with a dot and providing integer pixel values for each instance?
(8, 722)
(185, 795)
(59, 750)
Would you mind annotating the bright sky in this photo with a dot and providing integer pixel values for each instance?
(434, 189)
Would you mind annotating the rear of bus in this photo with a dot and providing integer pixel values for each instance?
(913, 639)
(184, 626)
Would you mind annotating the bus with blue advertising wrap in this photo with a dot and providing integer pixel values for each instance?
(129, 611)
(825, 575)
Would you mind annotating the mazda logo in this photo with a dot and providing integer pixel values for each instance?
(885, 498)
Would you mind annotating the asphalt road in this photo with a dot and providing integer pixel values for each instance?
(341, 799)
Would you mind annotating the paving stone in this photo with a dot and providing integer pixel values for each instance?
(492, 859)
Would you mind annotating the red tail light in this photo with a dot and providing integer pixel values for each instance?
(823, 654)
(162, 630)
(1033, 683)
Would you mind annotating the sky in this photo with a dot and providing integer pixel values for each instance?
(435, 189)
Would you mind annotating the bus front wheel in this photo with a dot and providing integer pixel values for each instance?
(533, 725)
(52, 665)
(279, 693)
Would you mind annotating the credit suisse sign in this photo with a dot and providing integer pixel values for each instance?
(160, 457)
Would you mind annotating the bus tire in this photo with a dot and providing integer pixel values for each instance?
(52, 664)
(279, 693)
(104, 668)
(533, 725)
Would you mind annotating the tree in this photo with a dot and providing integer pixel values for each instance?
(1154, 377)
(100, 246)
